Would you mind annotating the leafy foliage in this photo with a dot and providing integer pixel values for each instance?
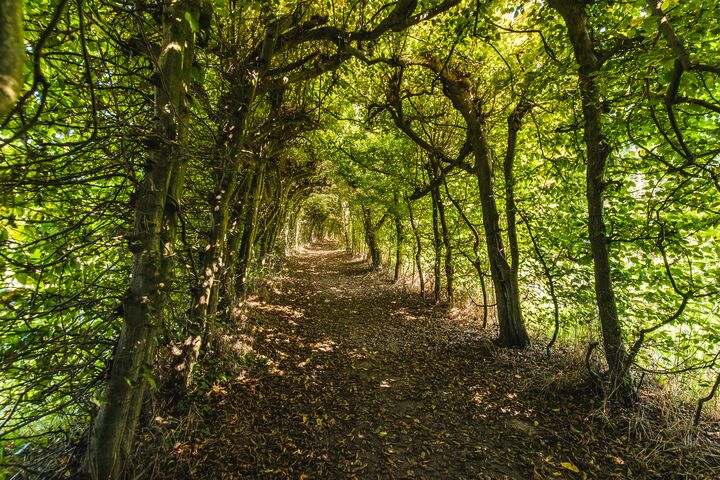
(299, 121)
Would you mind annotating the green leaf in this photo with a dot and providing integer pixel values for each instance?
(570, 466)
(193, 21)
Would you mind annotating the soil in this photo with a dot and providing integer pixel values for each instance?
(350, 376)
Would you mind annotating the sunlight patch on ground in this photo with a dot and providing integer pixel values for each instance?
(405, 314)
(478, 397)
(278, 309)
(324, 346)
(241, 345)
(361, 353)
(318, 249)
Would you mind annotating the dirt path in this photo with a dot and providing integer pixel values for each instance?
(356, 379)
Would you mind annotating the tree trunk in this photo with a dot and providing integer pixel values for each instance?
(12, 54)
(111, 438)
(249, 229)
(507, 292)
(597, 152)
(449, 266)
(514, 123)
(206, 293)
(371, 238)
(275, 220)
(230, 277)
(418, 250)
(507, 295)
(476, 262)
(399, 238)
(347, 227)
(437, 246)
(234, 137)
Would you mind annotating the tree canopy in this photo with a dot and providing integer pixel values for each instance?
(555, 163)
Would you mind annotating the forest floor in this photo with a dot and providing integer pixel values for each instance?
(354, 378)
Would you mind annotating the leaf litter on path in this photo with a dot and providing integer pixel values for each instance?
(363, 380)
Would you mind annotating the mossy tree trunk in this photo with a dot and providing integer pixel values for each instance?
(597, 152)
(371, 229)
(112, 434)
(238, 102)
(507, 292)
(399, 238)
(12, 54)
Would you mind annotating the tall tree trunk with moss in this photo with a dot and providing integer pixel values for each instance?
(371, 239)
(399, 237)
(12, 54)
(418, 248)
(229, 281)
(460, 91)
(275, 218)
(238, 103)
(245, 253)
(597, 152)
(437, 245)
(279, 220)
(111, 438)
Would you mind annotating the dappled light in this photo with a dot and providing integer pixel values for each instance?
(297, 239)
(379, 384)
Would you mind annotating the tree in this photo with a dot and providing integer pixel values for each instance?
(597, 151)
(189, 145)
(12, 54)
(459, 90)
(110, 442)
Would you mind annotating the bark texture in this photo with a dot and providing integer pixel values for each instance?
(507, 292)
(112, 434)
(597, 152)
(371, 230)
(12, 54)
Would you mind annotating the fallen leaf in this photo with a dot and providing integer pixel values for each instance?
(570, 466)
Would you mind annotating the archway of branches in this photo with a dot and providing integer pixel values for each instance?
(554, 163)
